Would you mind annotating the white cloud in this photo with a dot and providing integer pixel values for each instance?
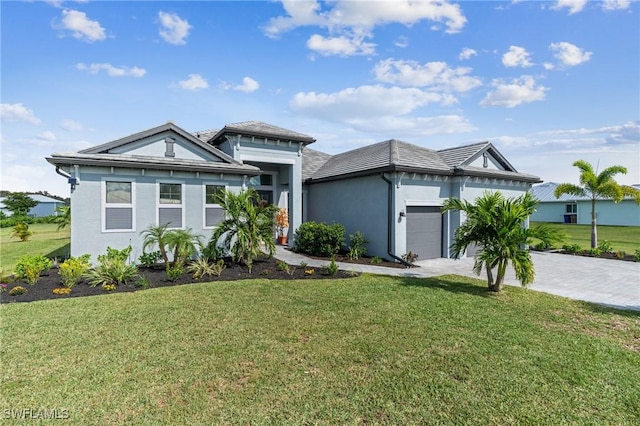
(173, 29)
(574, 6)
(364, 102)
(111, 70)
(71, 125)
(341, 46)
(348, 22)
(436, 75)
(514, 93)
(467, 53)
(516, 57)
(628, 133)
(568, 54)
(248, 85)
(194, 82)
(615, 4)
(47, 136)
(401, 42)
(18, 112)
(81, 26)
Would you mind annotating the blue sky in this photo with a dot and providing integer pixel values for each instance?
(546, 82)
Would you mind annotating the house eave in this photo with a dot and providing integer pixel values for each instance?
(495, 174)
(218, 138)
(378, 170)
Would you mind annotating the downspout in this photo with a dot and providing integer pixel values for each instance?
(61, 173)
(389, 219)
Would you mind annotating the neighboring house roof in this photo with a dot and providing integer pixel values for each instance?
(101, 156)
(259, 129)
(544, 193)
(395, 155)
(44, 199)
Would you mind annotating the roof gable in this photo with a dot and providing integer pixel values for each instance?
(467, 155)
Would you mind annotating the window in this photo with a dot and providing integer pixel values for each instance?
(171, 204)
(572, 208)
(118, 205)
(213, 213)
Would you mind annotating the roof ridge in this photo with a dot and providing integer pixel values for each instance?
(394, 152)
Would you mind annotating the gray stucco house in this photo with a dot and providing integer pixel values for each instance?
(46, 206)
(392, 191)
(577, 209)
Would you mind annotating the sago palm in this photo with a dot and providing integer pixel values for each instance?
(497, 225)
(248, 225)
(597, 186)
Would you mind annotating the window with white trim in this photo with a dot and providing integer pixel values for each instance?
(118, 206)
(572, 208)
(171, 204)
(213, 212)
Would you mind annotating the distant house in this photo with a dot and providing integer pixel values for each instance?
(392, 191)
(46, 206)
(577, 209)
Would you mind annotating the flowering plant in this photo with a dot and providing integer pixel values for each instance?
(3, 287)
(282, 221)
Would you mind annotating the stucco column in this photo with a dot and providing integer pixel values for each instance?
(295, 199)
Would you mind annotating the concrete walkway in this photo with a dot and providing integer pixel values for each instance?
(607, 282)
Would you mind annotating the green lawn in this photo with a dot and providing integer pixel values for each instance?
(46, 239)
(367, 350)
(625, 238)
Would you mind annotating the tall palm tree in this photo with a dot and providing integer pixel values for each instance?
(248, 225)
(497, 225)
(597, 186)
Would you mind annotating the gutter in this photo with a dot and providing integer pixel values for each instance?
(389, 217)
(61, 173)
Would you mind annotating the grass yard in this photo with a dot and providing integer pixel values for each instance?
(625, 238)
(366, 350)
(46, 239)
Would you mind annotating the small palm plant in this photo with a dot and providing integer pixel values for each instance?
(63, 217)
(184, 244)
(156, 235)
(247, 227)
(21, 231)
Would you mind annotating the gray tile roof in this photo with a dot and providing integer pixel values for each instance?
(312, 161)
(461, 154)
(258, 128)
(389, 155)
(205, 135)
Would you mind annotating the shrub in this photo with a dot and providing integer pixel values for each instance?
(29, 268)
(21, 231)
(108, 287)
(595, 252)
(18, 291)
(636, 255)
(150, 259)
(332, 267)
(357, 245)
(319, 239)
(141, 282)
(375, 260)
(572, 248)
(212, 252)
(174, 273)
(73, 269)
(605, 246)
(621, 254)
(202, 266)
(14, 220)
(112, 269)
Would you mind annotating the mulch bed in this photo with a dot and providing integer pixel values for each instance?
(157, 277)
(342, 257)
(585, 253)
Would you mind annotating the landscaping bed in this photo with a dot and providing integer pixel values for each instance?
(264, 267)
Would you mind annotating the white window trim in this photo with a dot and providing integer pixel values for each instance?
(104, 204)
(204, 202)
(171, 206)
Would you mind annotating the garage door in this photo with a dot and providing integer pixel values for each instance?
(424, 231)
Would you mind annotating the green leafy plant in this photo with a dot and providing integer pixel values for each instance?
(73, 269)
(142, 282)
(63, 217)
(303, 265)
(375, 260)
(595, 252)
(112, 269)
(156, 236)
(18, 291)
(184, 244)
(21, 231)
(319, 239)
(357, 245)
(332, 267)
(621, 254)
(572, 248)
(202, 267)
(605, 246)
(3, 287)
(247, 228)
(174, 273)
(636, 255)
(410, 256)
(149, 259)
(29, 268)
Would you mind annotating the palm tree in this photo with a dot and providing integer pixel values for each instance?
(248, 225)
(497, 225)
(156, 235)
(183, 243)
(597, 186)
(63, 217)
